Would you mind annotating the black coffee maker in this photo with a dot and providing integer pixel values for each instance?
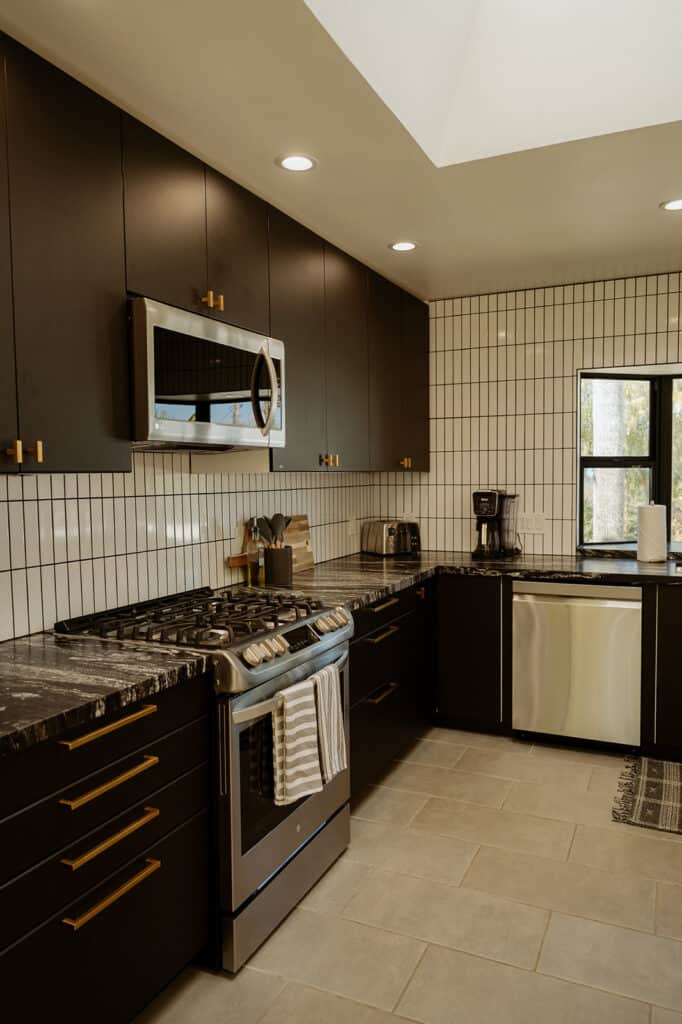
(488, 512)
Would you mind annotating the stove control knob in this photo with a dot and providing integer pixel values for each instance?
(280, 645)
(331, 622)
(265, 651)
(284, 643)
(252, 655)
(343, 615)
(271, 644)
(322, 624)
(338, 618)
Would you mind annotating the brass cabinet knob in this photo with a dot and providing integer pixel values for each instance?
(405, 463)
(220, 303)
(335, 460)
(208, 299)
(38, 452)
(16, 452)
(326, 460)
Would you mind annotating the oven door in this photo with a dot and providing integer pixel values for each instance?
(202, 382)
(256, 836)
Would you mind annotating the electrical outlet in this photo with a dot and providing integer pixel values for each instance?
(538, 522)
(532, 522)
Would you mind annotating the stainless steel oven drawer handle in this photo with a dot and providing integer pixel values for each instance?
(266, 707)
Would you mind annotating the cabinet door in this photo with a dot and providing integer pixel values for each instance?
(469, 683)
(385, 400)
(165, 218)
(8, 386)
(415, 381)
(347, 359)
(66, 211)
(237, 233)
(297, 319)
(667, 718)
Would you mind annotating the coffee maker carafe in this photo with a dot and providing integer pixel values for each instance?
(488, 511)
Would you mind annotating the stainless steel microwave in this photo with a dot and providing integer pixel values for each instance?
(202, 383)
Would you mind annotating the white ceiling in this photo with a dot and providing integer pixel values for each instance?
(477, 78)
(238, 83)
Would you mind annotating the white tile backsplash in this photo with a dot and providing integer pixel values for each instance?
(71, 544)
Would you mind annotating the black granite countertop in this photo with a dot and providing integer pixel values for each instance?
(51, 683)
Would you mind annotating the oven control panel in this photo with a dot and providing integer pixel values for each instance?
(294, 639)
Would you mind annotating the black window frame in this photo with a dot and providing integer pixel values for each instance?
(659, 459)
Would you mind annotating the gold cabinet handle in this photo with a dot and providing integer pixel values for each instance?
(16, 452)
(420, 593)
(335, 460)
(326, 460)
(220, 303)
(391, 631)
(147, 762)
(406, 463)
(77, 862)
(78, 922)
(387, 604)
(208, 299)
(90, 737)
(38, 452)
(391, 688)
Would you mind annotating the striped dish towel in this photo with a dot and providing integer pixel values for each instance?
(332, 735)
(295, 744)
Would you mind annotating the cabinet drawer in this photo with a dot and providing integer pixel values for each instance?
(106, 955)
(67, 816)
(56, 763)
(37, 894)
(379, 732)
(375, 660)
(369, 619)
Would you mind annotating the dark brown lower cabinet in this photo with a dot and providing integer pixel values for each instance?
(391, 686)
(105, 956)
(662, 679)
(470, 653)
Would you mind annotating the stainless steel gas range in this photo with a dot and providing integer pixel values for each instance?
(259, 642)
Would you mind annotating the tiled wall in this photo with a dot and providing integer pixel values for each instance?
(71, 544)
(503, 398)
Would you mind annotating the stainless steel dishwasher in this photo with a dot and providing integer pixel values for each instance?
(577, 654)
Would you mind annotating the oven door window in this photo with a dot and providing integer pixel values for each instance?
(201, 381)
(260, 814)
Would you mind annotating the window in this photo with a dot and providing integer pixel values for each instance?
(630, 454)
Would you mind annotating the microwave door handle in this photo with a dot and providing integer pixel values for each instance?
(274, 391)
(255, 398)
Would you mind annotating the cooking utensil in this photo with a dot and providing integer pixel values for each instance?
(278, 525)
(265, 527)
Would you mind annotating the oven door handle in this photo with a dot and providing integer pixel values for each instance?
(266, 707)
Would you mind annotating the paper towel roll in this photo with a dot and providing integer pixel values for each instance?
(652, 543)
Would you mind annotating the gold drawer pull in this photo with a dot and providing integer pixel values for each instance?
(220, 303)
(16, 452)
(207, 299)
(148, 761)
(77, 862)
(89, 737)
(38, 452)
(78, 922)
(383, 636)
(387, 604)
(391, 688)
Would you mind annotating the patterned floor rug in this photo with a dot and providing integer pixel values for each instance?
(650, 794)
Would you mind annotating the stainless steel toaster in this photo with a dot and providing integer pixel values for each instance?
(390, 537)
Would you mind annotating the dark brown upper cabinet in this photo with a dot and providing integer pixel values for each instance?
(347, 360)
(414, 364)
(66, 212)
(297, 319)
(165, 219)
(237, 235)
(9, 428)
(386, 412)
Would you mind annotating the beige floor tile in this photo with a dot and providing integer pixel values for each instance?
(626, 900)
(445, 755)
(526, 768)
(200, 997)
(577, 755)
(475, 789)
(337, 887)
(477, 824)
(482, 740)
(630, 963)
(604, 779)
(462, 919)
(390, 805)
(300, 1005)
(626, 849)
(341, 956)
(453, 988)
(560, 803)
(659, 1016)
(408, 852)
(669, 910)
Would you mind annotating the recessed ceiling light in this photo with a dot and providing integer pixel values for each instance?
(671, 204)
(296, 162)
(403, 246)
